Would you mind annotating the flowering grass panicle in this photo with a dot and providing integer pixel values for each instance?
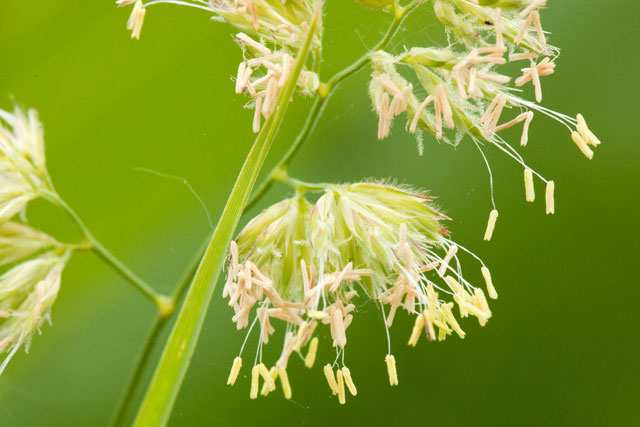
(307, 265)
(462, 92)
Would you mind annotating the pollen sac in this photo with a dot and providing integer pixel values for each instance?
(308, 265)
(263, 74)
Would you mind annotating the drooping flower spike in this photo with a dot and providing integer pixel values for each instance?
(307, 265)
(271, 33)
(462, 93)
(34, 259)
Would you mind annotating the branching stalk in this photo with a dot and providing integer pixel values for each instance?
(324, 94)
(176, 357)
(163, 303)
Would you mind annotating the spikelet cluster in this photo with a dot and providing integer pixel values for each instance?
(271, 32)
(461, 91)
(33, 261)
(304, 266)
(277, 22)
(263, 74)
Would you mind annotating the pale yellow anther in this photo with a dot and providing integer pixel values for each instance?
(269, 386)
(342, 396)
(550, 198)
(498, 28)
(524, 29)
(418, 327)
(524, 139)
(521, 56)
(453, 250)
(442, 98)
(537, 25)
(284, 381)
(586, 133)
(486, 274)
(392, 372)
(255, 382)
(428, 321)
(257, 114)
(310, 359)
(242, 68)
(447, 311)
(419, 111)
(492, 115)
(248, 41)
(442, 334)
(582, 144)
(317, 315)
(266, 376)
(331, 379)
(346, 374)
(136, 20)
(480, 302)
(300, 337)
(511, 123)
(455, 286)
(235, 370)
(491, 225)
(537, 84)
(530, 191)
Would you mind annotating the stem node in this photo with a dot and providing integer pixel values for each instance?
(166, 306)
(324, 90)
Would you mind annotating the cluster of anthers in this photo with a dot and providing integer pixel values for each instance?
(307, 265)
(465, 94)
(264, 73)
(271, 33)
(34, 260)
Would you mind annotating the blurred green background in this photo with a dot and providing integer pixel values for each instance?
(562, 348)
